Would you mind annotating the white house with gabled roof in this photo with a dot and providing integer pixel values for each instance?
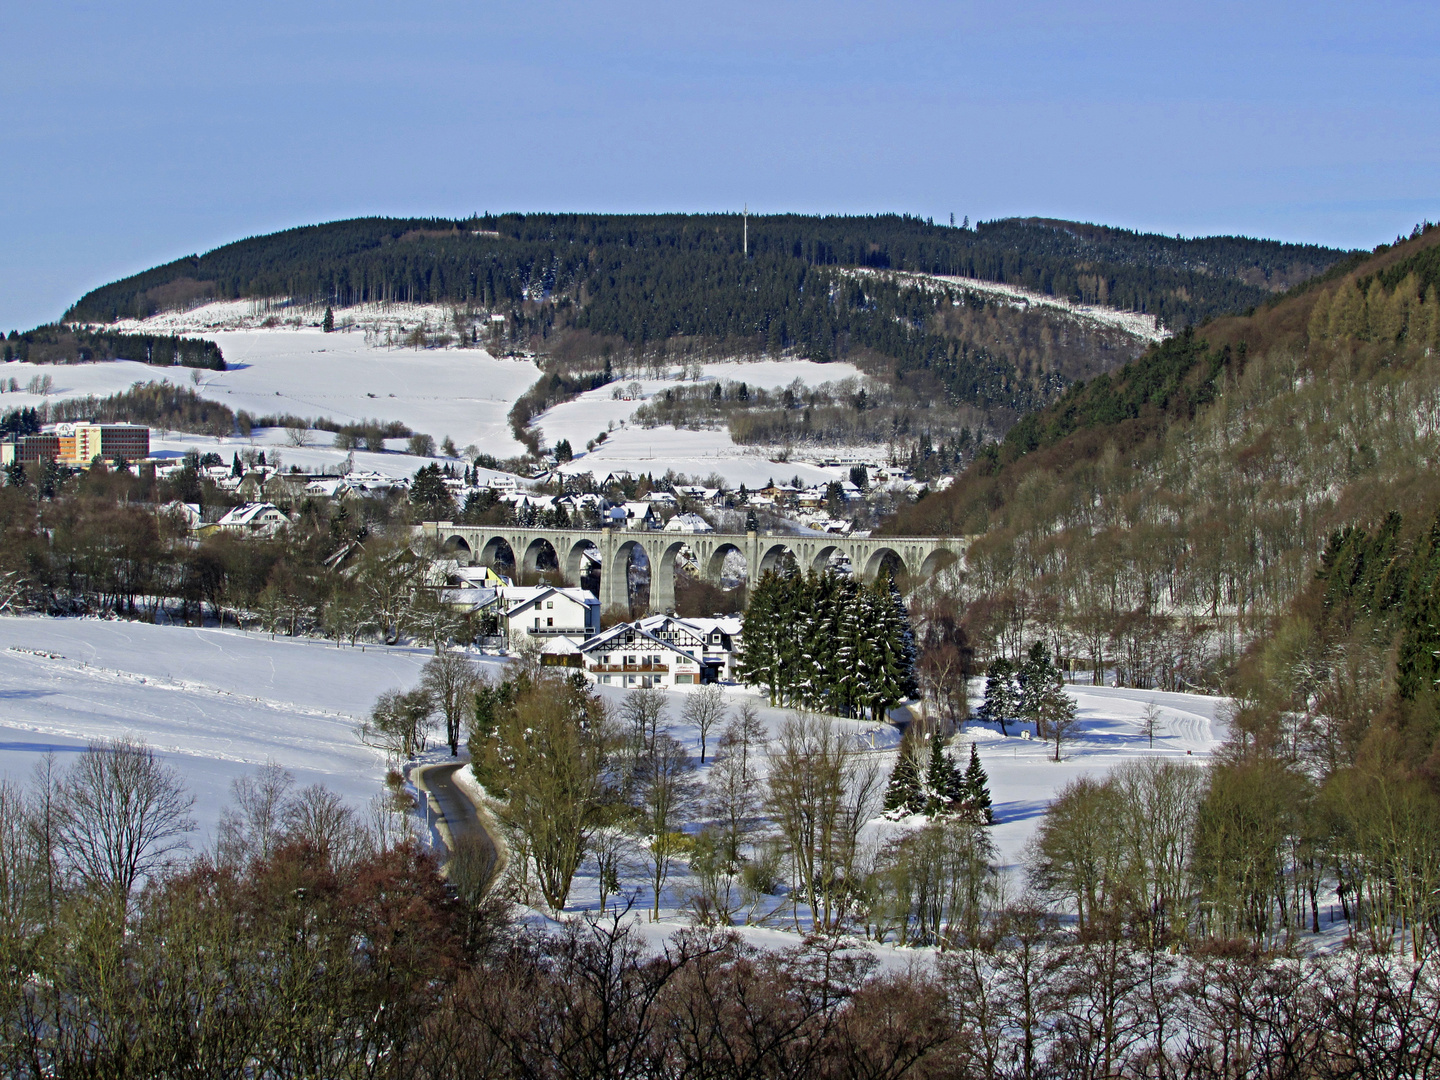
(545, 611)
(256, 518)
(715, 640)
(628, 656)
(688, 523)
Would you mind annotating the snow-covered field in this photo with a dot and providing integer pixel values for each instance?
(695, 453)
(215, 703)
(219, 703)
(463, 393)
(1023, 776)
(350, 375)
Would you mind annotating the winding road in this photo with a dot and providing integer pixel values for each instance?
(461, 818)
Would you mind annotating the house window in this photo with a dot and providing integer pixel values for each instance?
(682, 680)
(549, 622)
(605, 679)
(549, 605)
(537, 622)
(629, 659)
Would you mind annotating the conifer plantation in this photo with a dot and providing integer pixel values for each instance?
(824, 642)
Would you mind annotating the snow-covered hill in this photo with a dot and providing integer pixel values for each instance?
(352, 375)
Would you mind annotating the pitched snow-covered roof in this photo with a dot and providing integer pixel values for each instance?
(519, 597)
(252, 514)
(688, 523)
(630, 635)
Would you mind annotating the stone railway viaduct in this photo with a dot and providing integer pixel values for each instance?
(564, 549)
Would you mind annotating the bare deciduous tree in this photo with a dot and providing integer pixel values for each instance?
(666, 789)
(643, 710)
(254, 826)
(822, 790)
(704, 708)
(734, 796)
(318, 817)
(121, 812)
(21, 886)
(399, 723)
(1150, 722)
(450, 680)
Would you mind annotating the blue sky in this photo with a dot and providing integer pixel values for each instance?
(137, 133)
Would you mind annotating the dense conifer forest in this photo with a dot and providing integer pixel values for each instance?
(823, 288)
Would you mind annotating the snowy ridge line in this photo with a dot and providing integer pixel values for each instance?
(288, 315)
(1131, 322)
(182, 686)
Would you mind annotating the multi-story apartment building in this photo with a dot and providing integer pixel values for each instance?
(82, 443)
(79, 444)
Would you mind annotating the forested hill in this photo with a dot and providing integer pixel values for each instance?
(578, 287)
(617, 267)
(1177, 506)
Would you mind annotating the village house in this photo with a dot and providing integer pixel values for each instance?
(630, 657)
(254, 519)
(638, 516)
(688, 523)
(546, 611)
(714, 640)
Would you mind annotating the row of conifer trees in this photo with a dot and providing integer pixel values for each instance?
(825, 642)
(939, 787)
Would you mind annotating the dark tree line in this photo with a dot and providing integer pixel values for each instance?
(507, 259)
(60, 344)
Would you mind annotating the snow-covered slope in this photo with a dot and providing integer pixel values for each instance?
(219, 703)
(1023, 777)
(351, 375)
(215, 703)
(695, 453)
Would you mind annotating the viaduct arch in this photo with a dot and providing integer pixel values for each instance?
(565, 550)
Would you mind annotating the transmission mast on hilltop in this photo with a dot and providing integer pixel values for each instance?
(745, 217)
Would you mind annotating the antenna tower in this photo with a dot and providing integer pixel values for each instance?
(745, 217)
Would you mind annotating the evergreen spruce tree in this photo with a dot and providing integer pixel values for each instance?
(1002, 697)
(943, 783)
(1039, 679)
(757, 663)
(893, 679)
(236, 469)
(976, 787)
(903, 642)
(849, 646)
(1418, 663)
(813, 642)
(328, 325)
(904, 794)
(870, 674)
